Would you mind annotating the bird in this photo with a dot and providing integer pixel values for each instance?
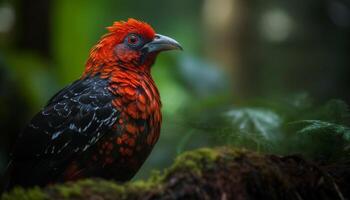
(104, 124)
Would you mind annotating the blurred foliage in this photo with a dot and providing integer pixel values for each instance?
(317, 126)
(319, 132)
(255, 120)
(254, 74)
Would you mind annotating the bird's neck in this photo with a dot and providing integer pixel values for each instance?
(137, 90)
(107, 64)
(123, 78)
(112, 67)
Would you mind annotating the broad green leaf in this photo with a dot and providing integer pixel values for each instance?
(256, 120)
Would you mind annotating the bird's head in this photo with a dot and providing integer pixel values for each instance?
(129, 44)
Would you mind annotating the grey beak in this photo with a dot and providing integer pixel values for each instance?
(161, 43)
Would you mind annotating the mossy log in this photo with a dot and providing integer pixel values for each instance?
(221, 173)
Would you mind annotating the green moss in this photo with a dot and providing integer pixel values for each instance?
(193, 162)
(83, 188)
(22, 194)
(203, 174)
(69, 190)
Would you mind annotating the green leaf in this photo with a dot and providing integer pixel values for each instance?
(256, 120)
(318, 126)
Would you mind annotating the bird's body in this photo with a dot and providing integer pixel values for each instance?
(103, 125)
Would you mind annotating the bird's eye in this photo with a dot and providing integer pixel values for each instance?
(133, 40)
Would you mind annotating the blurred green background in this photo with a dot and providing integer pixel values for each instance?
(254, 74)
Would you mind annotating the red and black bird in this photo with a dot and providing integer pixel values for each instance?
(103, 125)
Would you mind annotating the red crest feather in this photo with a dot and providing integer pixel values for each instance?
(123, 28)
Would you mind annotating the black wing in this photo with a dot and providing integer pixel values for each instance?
(73, 120)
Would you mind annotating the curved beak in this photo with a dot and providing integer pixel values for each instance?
(161, 43)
